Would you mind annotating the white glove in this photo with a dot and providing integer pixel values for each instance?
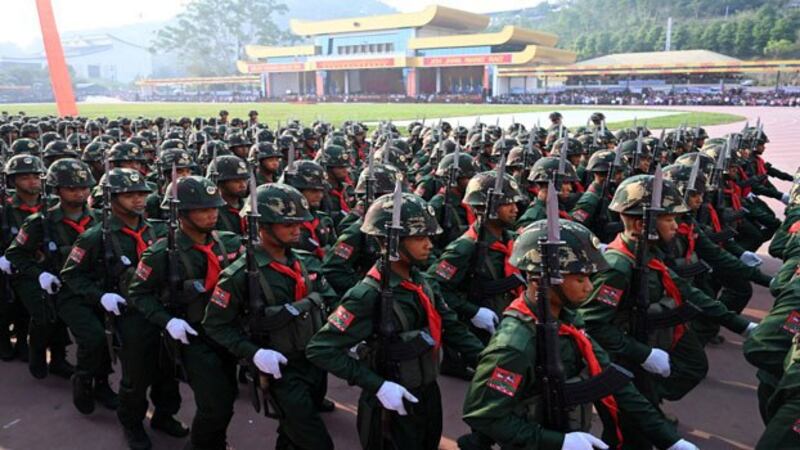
(391, 396)
(177, 328)
(657, 362)
(5, 265)
(750, 196)
(749, 330)
(750, 259)
(111, 302)
(578, 440)
(485, 319)
(603, 247)
(785, 198)
(269, 361)
(683, 445)
(49, 282)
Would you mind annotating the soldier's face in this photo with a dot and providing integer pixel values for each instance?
(135, 165)
(418, 248)
(271, 164)
(314, 197)
(507, 214)
(74, 197)
(203, 220)
(286, 233)
(667, 227)
(694, 201)
(28, 183)
(240, 151)
(576, 288)
(339, 173)
(234, 188)
(131, 203)
(644, 164)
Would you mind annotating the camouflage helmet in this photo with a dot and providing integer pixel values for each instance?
(238, 140)
(80, 140)
(262, 151)
(633, 194)
(580, 254)
(503, 145)
(478, 188)
(228, 167)
(546, 169)
(142, 142)
(712, 149)
(629, 149)
(172, 143)
(467, 167)
(22, 164)
(194, 192)
(304, 174)
(574, 147)
(126, 152)
(706, 162)
(94, 152)
(597, 117)
(110, 140)
(25, 146)
(279, 203)
(333, 156)
(680, 174)
(59, 148)
(209, 148)
(69, 172)
(396, 157)
(601, 161)
(384, 175)
(523, 157)
(417, 217)
(180, 158)
(794, 192)
(121, 180)
(49, 137)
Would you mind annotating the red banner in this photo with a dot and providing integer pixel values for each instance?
(466, 60)
(56, 63)
(355, 64)
(275, 67)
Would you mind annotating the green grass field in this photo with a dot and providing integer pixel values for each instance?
(336, 113)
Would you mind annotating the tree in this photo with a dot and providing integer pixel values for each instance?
(779, 48)
(210, 35)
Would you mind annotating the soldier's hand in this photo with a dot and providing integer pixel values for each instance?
(391, 396)
(269, 361)
(49, 282)
(578, 440)
(111, 301)
(749, 330)
(485, 319)
(751, 196)
(785, 198)
(657, 362)
(683, 445)
(178, 330)
(5, 265)
(750, 259)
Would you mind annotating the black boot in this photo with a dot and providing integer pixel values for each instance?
(61, 368)
(82, 393)
(169, 425)
(105, 395)
(137, 438)
(37, 361)
(21, 350)
(326, 405)
(6, 349)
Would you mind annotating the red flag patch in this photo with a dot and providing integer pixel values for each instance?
(76, 254)
(22, 237)
(446, 270)
(580, 215)
(795, 227)
(504, 381)
(220, 297)
(341, 318)
(343, 250)
(609, 295)
(792, 324)
(143, 271)
(796, 426)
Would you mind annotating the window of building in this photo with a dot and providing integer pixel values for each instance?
(389, 47)
(93, 71)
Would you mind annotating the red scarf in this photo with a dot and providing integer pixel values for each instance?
(715, 223)
(578, 187)
(242, 220)
(79, 226)
(311, 226)
(434, 319)
(666, 280)
(340, 195)
(736, 194)
(743, 190)
(688, 231)
(213, 267)
(469, 213)
(587, 353)
(295, 273)
(505, 249)
(30, 209)
(761, 168)
(141, 246)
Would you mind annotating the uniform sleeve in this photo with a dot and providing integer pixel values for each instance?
(721, 260)
(338, 264)
(455, 333)
(766, 347)
(450, 273)
(146, 285)
(80, 272)
(711, 307)
(777, 173)
(350, 324)
(585, 207)
(22, 251)
(224, 312)
(610, 290)
(782, 236)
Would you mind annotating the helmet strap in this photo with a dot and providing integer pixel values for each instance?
(275, 238)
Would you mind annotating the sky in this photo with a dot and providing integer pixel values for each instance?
(19, 23)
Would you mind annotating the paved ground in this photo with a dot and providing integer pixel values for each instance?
(720, 414)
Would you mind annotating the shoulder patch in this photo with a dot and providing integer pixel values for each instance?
(22, 237)
(76, 254)
(504, 381)
(220, 297)
(792, 323)
(341, 318)
(446, 270)
(609, 295)
(795, 227)
(796, 426)
(580, 215)
(343, 250)
(143, 271)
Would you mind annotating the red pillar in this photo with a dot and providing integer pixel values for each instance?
(56, 63)
(320, 81)
(411, 82)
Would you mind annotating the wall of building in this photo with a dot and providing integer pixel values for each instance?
(116, 62)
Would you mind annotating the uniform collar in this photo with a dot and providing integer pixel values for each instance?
(184, 242)
(263, 258)
(116, 224)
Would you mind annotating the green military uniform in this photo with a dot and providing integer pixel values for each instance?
(318, 234)
(783, 410)
(300, 391)
(792, 214)
(458, 216)
(350, 257)
(423, 322)
(227, 168)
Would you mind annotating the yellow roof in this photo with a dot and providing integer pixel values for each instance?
(263, 51)
(671, 57)
(433, 15)
(508, 35)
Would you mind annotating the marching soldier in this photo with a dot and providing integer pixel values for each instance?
(339, 197)
(318, 234)
(545, 170)
(266, 158)
(230, 174)
(452, 213)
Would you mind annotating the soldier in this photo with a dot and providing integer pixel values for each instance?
(340, 194)
(24, 175)
(199, 255)
(267, 162)
(183, 163)
(544, 171)
(276, 335)
(783, 410)
(223, 117)
(452, 213)
(591, 209)
(318, 234)
(230, 174)
(239, 144)
(506, 399)
(778, 245)
(642, 323)
(39, 250)
(408, 369)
